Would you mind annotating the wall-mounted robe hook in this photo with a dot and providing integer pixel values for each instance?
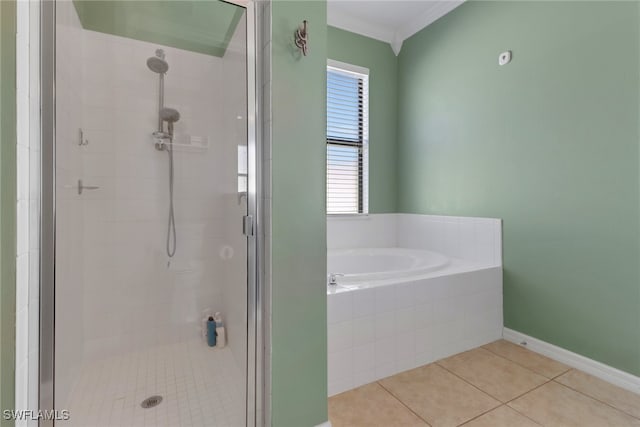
(301, 38)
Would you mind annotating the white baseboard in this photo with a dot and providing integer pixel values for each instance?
(605, 372)
(325, 424)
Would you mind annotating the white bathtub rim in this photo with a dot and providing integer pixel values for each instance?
(438, 261)
(456, 266)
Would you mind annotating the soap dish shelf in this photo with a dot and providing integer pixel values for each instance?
(185, 143)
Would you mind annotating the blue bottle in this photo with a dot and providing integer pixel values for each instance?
(211, 332)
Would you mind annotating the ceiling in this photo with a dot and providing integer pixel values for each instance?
(391, 21)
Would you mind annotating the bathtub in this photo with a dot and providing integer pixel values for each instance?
(368, 266)
(397, 308)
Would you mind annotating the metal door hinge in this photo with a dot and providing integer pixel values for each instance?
(247, 225)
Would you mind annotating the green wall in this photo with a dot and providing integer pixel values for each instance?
(198, 26)
(7, 204)
(378, 57)
(299, 250)
(549, 143)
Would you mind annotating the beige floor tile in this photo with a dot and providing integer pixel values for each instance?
(554, 405)
(536, 362)
(502, 417)
(495, 375)
(439, 397)
(603, 391)
(370, 406)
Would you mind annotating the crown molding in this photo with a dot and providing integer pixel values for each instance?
(396, 44)
(353, 24)
(395, 38)
(437, 11)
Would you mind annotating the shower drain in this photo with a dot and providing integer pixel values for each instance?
(150, 402)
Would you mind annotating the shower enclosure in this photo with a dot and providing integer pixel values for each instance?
(149, 200)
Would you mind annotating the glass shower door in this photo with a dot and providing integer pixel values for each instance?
(151, 187)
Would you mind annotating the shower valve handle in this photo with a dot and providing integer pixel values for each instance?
(81, 187)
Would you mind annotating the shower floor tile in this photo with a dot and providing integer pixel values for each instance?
(200, 386)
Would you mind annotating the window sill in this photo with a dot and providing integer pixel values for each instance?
(361, 216)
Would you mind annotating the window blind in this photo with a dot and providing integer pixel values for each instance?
(347, 137)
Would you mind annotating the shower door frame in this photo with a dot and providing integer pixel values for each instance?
(255, 369)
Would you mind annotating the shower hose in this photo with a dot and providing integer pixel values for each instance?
(171, 226)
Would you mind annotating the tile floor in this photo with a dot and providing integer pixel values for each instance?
(499, 384)
(200, 386)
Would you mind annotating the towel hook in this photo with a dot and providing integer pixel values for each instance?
(301, 38)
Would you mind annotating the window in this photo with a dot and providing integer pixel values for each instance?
(347, 138)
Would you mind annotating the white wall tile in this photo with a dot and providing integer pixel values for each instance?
(371, 231)
(447, 310)
(451, 237)
(21, 389)
(27, 175)
(424, 358)
(476, 240)
(385, 327)
(363, 377)
(447, 315)
(341, 385)
(363, 330)
(364, 357)
(340, 364)
(364, 303)
(497, 236)
(385, 351)
(424, 340)
(386, 369)
(22, 281)
(423, 315)
(22, 235)
(405, 364)
(426, 290)
(340, 307)
(405, 343)
(22, 334)
(385, 298)
(340, 336)
(468, 244)
(405, 295)
(405, 320)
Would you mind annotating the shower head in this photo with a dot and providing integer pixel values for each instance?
(169, 115)
(157, 65)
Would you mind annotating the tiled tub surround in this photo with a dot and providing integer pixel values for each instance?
(474, 240)
(380, 328)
